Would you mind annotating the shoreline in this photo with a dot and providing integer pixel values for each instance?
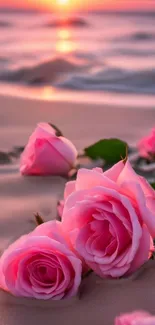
(50, 94)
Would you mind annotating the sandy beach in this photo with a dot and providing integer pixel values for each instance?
(21, 196)
(18, 118)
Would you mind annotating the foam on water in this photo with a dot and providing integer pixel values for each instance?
(114, 80)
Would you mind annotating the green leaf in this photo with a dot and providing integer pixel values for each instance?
(58, 133)
(153, 185)
(111, 150)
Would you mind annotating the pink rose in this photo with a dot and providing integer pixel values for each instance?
(146, 146)
(136, 318)
(110, 219)
(41, 265)
(47, 154)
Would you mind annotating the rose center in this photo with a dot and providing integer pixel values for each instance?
(45, 270)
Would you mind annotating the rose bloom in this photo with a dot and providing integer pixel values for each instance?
(110, 219)
(41, 265)
(47, 154)
(146, 146)
(136, 318)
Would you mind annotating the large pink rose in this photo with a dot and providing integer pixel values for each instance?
(146, 146)
(110, 219)
(41, 265)
(136, 318)
(47, 154)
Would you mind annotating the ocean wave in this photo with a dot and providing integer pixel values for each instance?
(46, 72)
(135, 52)
(3, 60)
(138, 37)
(70, 22)
(83, 74)
(111, 79)
(143, 36)
(5, 24)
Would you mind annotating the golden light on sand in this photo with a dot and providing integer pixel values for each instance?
(47, 93)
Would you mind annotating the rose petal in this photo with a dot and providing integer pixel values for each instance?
(69, 189)
(143, 253)
(87, 179)
(114, 172)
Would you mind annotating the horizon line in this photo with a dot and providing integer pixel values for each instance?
(39, 10)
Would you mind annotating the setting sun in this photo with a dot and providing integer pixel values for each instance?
(78, 5)
(63, 5)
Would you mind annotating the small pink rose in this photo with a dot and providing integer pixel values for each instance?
(146, 146)
(136, 318)
(41, 265)
(110, 219)
(47, 154)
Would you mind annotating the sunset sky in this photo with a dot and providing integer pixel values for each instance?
(73, 5)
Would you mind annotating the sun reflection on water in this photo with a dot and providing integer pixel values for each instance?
(64, 34)
(64, 42)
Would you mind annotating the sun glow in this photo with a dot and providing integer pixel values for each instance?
(62, 2)
(63, 6)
